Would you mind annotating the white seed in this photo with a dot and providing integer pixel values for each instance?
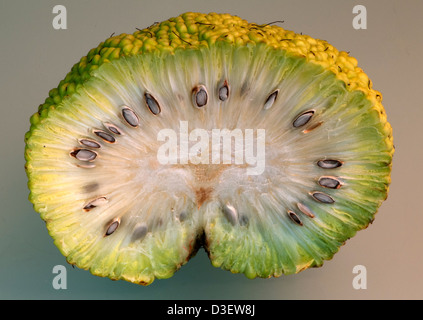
(131, 117)
(224, 91)
(329, 164)
(105, 136)
(112, 128)
(89, 143)
(303, 118)
(200, 96)
(322, 197)
(152, 104)
(230, 213)
(294, 217)
(271, 100)
(330, 182)
(112, 227)
(84, 154)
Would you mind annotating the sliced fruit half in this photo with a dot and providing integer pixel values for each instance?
(268, 148)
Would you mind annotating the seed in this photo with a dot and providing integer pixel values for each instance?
(140, 232)
(330, 182)
(295, 218)
(224, 91)
(89, 143)
(112, 227)
(84, 154)
(329, 164)
(91, 187)
(230, 213)
(183, 216)
(152, 104)
(112, 128)
(105, 136)
(306, 210)
(322, 197)
(243, 220)
(271, 99)
(130, 116)
(303, 118)
(95, 203)
(200, 96)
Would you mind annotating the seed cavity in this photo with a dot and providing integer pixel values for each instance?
(329, 164)
(306, 210)
(84, 154)
(230, 213)
(86, 165)
(303, 118)
(322, 197)
(200, 96)
(105, 136)
(294, 217)
(315, 126)
(152, 104)
(112, 128)
(271, 99)
(130, 117)
(224, 91)
(89, 143)
(330, 182)
(112, 227)
(95, 203)
(140, 232)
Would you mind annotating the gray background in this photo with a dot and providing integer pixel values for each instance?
(35, 57)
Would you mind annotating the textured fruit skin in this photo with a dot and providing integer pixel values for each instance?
(196, 30)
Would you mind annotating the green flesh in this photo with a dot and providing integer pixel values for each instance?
(141, 191)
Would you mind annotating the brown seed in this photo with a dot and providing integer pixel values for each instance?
(89, 143)
(330, 182)
(130, 117)
(105, 136)
(84, 154)
(152, 104)
(303, 119)
(294, 217)
(322, 197)
(329, 164)
(271, 99)
(112, 227)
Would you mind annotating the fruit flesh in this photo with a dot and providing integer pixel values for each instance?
(177, 204)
